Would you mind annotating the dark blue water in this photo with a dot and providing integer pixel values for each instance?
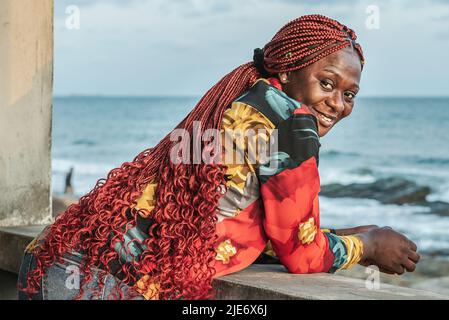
(382, 138)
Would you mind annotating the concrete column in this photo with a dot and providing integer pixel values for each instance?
(26, 81)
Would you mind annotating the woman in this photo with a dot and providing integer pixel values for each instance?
(165, 225)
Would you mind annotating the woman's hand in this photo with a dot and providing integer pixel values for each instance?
(391, 251)
(355, 230)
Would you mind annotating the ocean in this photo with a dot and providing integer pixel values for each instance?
(384, 137)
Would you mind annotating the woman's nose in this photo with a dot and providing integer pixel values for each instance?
(336, 102)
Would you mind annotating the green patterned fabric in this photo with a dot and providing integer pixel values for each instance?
(338, 248)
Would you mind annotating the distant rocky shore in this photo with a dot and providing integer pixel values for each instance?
(393, 190)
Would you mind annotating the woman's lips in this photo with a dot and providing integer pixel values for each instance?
(324, 119)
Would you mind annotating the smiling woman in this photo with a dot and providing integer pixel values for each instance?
(328, 86)
(161, 229)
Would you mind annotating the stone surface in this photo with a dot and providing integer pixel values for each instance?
(13, 242)
(274, 282)
(429, 268)
(8, 286)
(438, 285)
(262, 281)
(26, 81)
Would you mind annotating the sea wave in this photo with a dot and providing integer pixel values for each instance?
(80, 167)
(428, 231)
(436, 161)
(336, 153)
(339, 175)
(84, 142)
(85, 174)
(441, 193)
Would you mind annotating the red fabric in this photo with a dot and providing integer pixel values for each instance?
(291, 198)
(275, 83)
(303, 110)
(246, 234)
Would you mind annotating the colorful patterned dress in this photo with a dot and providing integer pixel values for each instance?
(265, 208)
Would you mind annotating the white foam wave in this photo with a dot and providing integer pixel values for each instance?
(85, 174)
(427, 230)
(333, 175)
(87, 168)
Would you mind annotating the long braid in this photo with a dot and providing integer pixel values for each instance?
(180, 243)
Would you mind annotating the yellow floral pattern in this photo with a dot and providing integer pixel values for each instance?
(307, 231)
(225, 250)
(147, 200)
(148, 289)
(238, 143)
(269, 249)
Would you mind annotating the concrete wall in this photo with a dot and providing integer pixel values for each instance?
(26, 81)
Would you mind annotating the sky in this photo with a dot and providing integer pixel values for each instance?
(183, 47)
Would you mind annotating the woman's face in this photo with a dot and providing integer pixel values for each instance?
(328, 87)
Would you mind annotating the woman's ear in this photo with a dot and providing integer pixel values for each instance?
(283, 77)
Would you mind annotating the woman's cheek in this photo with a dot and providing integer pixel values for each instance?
(347, 111)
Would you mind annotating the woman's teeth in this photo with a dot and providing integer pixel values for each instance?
(325, 119)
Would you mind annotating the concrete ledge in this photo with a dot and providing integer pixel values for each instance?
(13, 241)
(263, 282)
(274, 282)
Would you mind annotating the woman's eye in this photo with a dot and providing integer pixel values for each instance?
(350, 95)
(327, 84)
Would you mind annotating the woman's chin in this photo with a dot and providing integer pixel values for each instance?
(322, 131)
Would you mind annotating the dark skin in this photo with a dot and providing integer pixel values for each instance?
(329, 87)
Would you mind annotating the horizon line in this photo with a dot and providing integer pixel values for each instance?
(199, 96)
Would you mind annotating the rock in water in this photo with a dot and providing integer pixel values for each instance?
(437, 207)
(392, 190)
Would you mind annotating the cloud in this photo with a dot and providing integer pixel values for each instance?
(184, 46)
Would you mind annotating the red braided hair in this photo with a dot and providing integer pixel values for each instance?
(180, 244)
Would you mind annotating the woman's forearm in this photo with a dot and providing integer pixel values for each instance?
(355, 230)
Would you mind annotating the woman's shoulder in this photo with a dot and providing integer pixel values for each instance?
(266, 96)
